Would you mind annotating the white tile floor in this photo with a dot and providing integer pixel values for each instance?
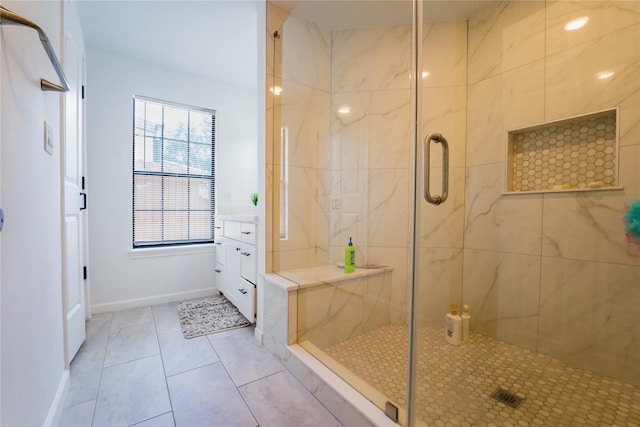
(135, 368)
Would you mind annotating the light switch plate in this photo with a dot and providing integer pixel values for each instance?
(48, 138)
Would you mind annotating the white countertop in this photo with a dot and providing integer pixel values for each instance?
(239, 218)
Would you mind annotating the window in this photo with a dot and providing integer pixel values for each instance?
(173, 173)
(284, 183)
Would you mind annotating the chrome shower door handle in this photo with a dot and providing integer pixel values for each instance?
(426, 168)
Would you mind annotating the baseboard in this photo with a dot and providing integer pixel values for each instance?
(258, 335)
(55, 411)
(153, 300)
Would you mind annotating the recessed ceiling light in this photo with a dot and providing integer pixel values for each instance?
(576, 23)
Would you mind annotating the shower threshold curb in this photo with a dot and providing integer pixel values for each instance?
(351, 396)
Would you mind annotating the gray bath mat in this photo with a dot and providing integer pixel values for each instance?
(209, 315)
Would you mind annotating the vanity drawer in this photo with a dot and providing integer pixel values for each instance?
(248, 231)
(220, 277)
(248, 263)
(245, 297)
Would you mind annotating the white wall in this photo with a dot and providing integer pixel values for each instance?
(117, 280)
(32, 339)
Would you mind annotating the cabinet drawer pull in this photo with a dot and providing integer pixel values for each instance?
(242, 291)
(218, 271)
(245, 253)
(245, 232)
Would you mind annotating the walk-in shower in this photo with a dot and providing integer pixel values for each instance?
(539, 102)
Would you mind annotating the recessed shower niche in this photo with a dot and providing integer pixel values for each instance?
(575, 154)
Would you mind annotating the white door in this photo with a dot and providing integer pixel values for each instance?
(74, 201)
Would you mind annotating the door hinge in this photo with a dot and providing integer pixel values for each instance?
(82, 92)
(84, 272)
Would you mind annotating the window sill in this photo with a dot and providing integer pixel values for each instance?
(171, 251)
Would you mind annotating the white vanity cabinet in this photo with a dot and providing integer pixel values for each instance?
(237, 264)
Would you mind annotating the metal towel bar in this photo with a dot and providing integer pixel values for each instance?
(8, 17)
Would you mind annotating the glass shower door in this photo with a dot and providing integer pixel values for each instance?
(540, 105)
(342, 152)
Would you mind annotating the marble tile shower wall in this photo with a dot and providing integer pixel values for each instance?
(370, 74)
(370, 181)
(550, 272)
(304, 108)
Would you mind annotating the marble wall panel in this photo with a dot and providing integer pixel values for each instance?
(498, 223)
(502, 291)
(506, 101)
(586, 226)
(389, 121)
(444, 54)
(572, 84)
(505, 37)
(588, 316)
(276, 311)
(306, 53)
(398, 260)
(349, 130)
(305, 115)
(291, 259)
(376, 309)
(302, 209)
(357, 56)
(629, 174)
(444, 111)
(323, 208)
(388, 208)
(605, 17)
(440, 283)
(629, 120)
(442, 226)
(329, 314)
(349, 208)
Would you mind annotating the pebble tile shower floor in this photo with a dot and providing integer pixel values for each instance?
(455, 382)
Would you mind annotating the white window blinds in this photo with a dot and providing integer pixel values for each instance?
(173, 173)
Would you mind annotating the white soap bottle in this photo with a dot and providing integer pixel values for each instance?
(453, 326)
(466, 318)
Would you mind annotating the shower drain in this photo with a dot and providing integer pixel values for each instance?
(508, 398)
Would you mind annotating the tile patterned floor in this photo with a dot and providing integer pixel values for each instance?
(454, 383)
(135, 368)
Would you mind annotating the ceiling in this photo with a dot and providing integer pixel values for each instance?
(343, 14)
(211, 38)
(218, 38)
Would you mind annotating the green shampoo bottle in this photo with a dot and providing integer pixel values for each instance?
(350, 258)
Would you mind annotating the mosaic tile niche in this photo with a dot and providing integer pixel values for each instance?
(573, 154)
